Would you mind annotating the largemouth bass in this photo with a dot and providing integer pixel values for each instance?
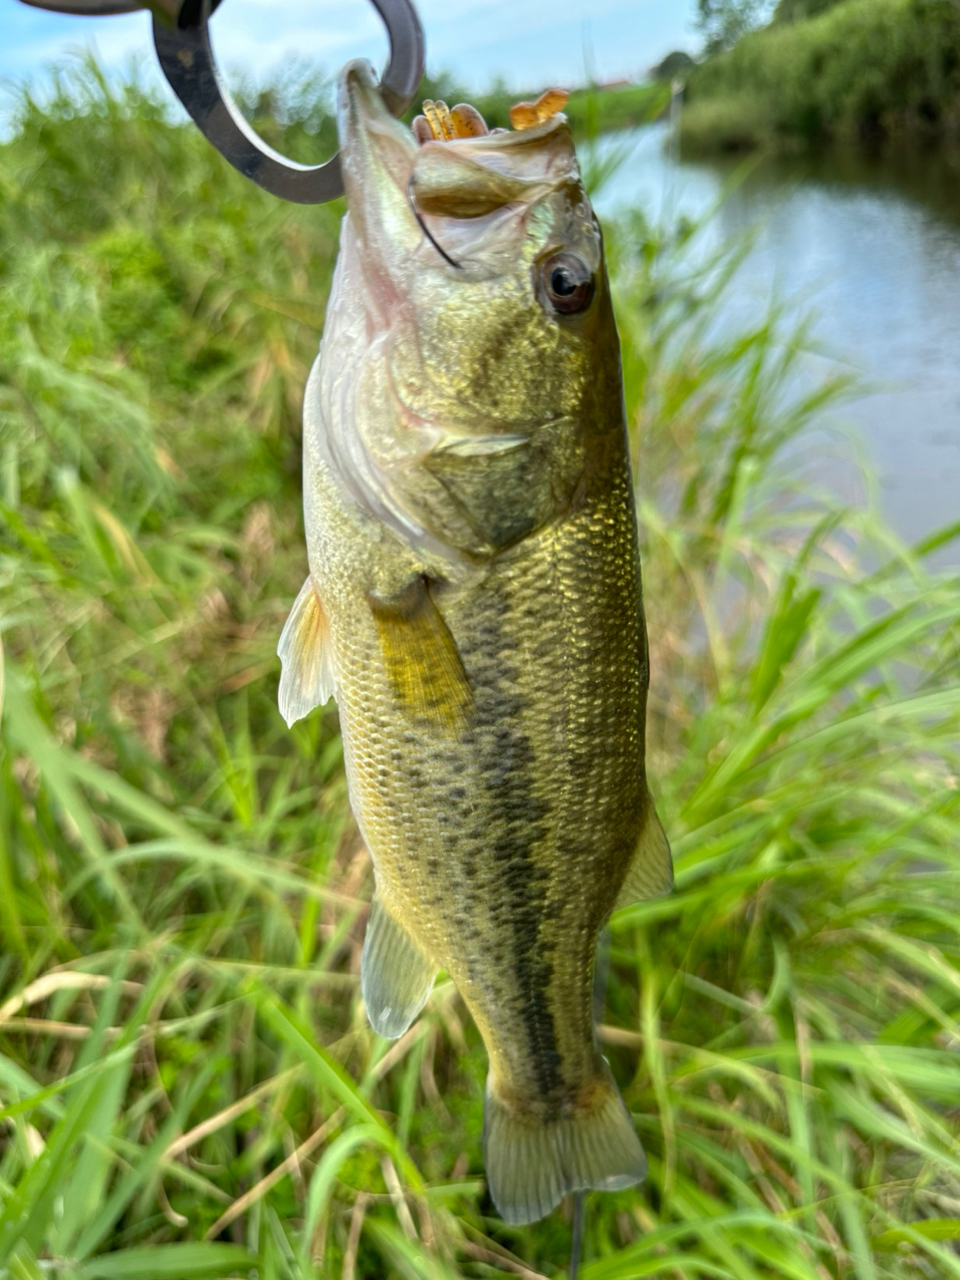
(474, 605)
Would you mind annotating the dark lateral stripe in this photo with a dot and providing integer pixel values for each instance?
(508, 766)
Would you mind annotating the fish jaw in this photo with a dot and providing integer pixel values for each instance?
(427, 217)
(389, 178)
(377, 154)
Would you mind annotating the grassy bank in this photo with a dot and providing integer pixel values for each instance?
(863, 71)
(188, 1087)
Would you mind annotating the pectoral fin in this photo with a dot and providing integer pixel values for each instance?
(308, 679)
(421, 657)
(397, 976)
(650, 874)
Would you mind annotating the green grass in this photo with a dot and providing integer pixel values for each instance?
(862, 71)
(188, 1086)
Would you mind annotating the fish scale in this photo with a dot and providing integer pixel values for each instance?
(474, 603)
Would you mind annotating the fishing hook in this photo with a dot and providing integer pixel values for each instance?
(412, 196)
(182, 40)
(576, 1243)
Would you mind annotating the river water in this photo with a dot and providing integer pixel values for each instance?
(872, 246)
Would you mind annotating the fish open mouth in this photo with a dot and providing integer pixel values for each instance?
(360, 100)
(450, 164)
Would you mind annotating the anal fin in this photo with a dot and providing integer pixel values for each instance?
(650, 874)
(307, 679)
(397, 977)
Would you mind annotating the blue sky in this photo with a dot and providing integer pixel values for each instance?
(530, 42)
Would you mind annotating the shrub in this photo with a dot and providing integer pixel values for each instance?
(864, 69)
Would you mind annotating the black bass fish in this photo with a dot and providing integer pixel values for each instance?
(474, 605)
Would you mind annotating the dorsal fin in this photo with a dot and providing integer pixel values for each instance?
(308, 678)
(650, 874)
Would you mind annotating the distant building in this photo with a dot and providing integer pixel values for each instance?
(611, 86)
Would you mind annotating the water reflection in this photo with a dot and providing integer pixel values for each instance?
(873, 245)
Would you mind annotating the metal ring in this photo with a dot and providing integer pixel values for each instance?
(187, 61)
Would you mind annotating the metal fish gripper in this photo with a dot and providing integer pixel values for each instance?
(181, 38)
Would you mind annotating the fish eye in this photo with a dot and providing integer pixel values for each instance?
(567, 283)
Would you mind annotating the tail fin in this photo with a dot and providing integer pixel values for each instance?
(532, 1165)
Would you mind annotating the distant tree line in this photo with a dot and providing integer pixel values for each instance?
(724, 22)
(807, 72)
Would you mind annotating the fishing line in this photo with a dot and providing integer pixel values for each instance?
(600, 977)
(412, 195)
(576, 1244)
